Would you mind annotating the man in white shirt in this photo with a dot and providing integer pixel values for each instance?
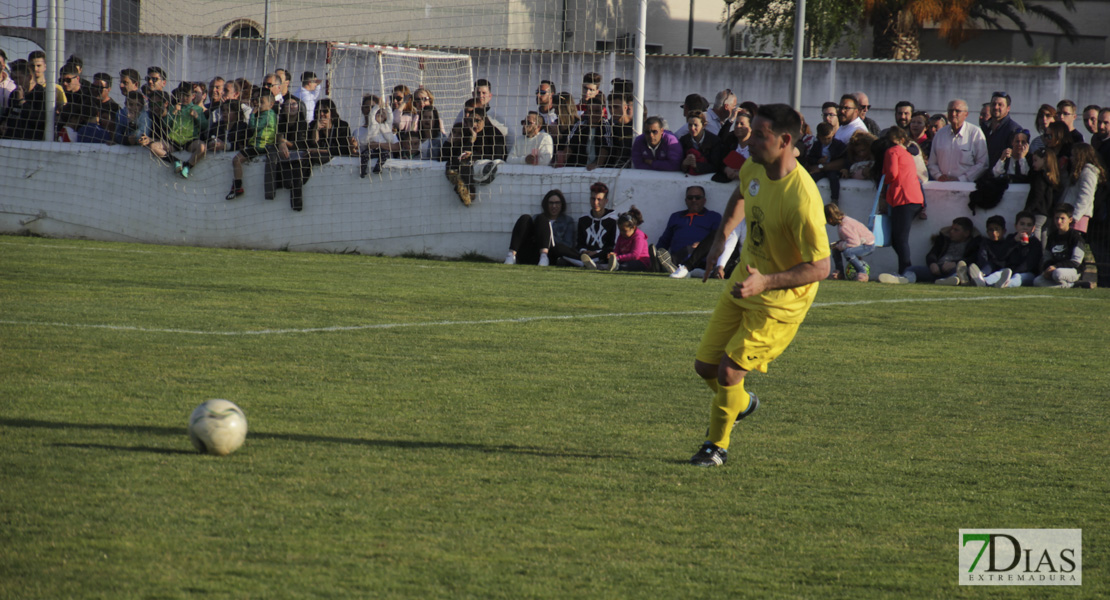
(536, 147)
(724, 105)
(959, 151)
(849, 115)
(310, 93)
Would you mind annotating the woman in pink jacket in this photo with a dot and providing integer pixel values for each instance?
(631, 251)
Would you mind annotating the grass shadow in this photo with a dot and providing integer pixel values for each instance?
(150, 449)
(304, 438)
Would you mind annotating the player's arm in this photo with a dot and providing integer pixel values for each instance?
(800, 274)
(730, 220)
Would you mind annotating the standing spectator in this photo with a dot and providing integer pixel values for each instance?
(310, 93)
(864, 108)
(535, 147)
(156, 79)
(699, 147)
(903, 114)
(7, 84)
(1059, 139)
(26, 118)
(848, 115)
(1000, 128)
(215, 94)
(597, 229)
(1101, 141)
(1066, 113)
(591, 88)
(959, 150)
(830, 113)
(473, 140)
(545, 103)
(107, 109)
(1014, 162)
(1086, 175)
(37, 61)
(547, 236)
(621, 107)
(903, 199)
(129, 82)
(1046, 114)
(1045, 186)
(724, 107)
(590, 140)
(656, 149)
(735, 157)
(1065, 251)
(1090, 118)
(568, 117)
(917, 127)
(282, 90)
(91, 131)
(936, 123)
(76, 94)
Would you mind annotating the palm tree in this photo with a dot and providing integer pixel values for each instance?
(896, 24)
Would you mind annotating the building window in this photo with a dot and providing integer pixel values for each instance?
(243, 29)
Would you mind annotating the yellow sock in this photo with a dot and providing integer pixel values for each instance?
(713, 385)
(731, 400)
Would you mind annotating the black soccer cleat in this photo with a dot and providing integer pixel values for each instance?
(710, 455)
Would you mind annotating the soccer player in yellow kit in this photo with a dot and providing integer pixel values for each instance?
(785, 254)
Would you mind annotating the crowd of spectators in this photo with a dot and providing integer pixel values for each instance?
(296, 129)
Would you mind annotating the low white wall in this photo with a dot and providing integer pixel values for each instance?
(122, 194)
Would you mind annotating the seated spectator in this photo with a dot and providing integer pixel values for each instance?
(1045, 187)
(699, 147)
(328, 136)
(1087, 173)
(154, 127)
(535, 146)
(430, 126)
(822, 151)
(621, 108)
(1007, 261)
(541, 238)
(568, 118)
(107, 109)
(854, 242)
(405, 117)
(129, 122)
(310, 93)
(69, 120)
(90, 131)
(230, 133)
(734, 149)
(597, 230)
(591, 88)
(375, 136)
(1046, 115)
(959, 150)
(188, 126)
(473, 143)
(1014, 162)
(1064, 251)
(859, 156)
(952, 249)
(656, 149)
(631, 250)
(688, 236)
(590, 140)
(263, 133)
(805, 142)
(483, 98)
(286, 160)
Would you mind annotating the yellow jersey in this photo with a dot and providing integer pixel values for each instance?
(785, 227)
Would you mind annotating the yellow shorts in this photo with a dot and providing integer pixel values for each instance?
(749, 337)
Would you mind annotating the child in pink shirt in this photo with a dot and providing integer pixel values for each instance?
(856, 241)
(631, 251)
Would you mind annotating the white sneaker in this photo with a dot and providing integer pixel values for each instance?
(697, 273)
(511, 258)
(680, 273)
(961, 273)
(976, 275)
(587, 262)
(544, 261)
(1003, 278)
(953, 280)
(888, 278)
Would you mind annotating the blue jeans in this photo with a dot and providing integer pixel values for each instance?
(853, 255)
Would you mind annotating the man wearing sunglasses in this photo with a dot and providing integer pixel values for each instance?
(108, 109)
(545, 103)
(76, 94)
(156, 79)
(1000, 127)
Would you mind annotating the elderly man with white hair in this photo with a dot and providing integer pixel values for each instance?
(724, 107)
(959, 150)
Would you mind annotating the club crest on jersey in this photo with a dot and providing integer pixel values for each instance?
(753, 187)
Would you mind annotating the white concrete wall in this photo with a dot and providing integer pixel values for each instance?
(121, 194)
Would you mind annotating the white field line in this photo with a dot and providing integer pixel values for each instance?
(489, 321)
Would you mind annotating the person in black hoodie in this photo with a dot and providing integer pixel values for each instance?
(475, 139)
(1010, 261)
(1046, 184)
(597, 230)
(954, 247)
(1065, 251)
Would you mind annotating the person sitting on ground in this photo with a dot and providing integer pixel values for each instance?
(699, 147)
(535, 147)
(1087, 173)
(855, 241)
(656, 149)
(688, 236)
(375, 135)
(474, 143)
(1014, 162)
(1064, 251)
(230, 133)
(539, 239)
(952, 249)
(631, 250)
(263, 133)
(597, 230)
(1007, 261)
(590, 140)
(188, 125)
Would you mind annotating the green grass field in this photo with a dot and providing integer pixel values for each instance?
(466, 430)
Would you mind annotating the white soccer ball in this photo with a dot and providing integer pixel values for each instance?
(218, 427)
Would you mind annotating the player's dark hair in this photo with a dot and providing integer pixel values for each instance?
(784, 119)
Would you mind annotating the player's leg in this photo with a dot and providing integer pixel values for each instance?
(722, 326)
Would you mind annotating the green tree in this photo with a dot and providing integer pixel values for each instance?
(771, 22)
